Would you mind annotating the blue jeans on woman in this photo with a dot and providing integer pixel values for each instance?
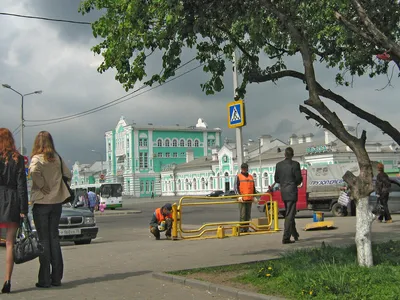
(47, 218)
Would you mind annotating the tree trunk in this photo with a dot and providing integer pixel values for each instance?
(364, 219)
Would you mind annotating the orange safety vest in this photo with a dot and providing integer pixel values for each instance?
(160, 217)
(246, 186)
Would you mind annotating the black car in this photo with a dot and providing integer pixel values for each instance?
(77, 224)
(215, 194)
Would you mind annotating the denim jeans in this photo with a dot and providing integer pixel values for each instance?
(47, 218)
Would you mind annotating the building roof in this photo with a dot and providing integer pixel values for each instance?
(174, 128)
(201, 162)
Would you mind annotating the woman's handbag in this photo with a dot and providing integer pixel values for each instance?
(65, 180)
(344, 199)
(27, 246)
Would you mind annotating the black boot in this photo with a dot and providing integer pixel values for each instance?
(6, 287)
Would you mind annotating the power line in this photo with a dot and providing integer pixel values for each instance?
(45, 19)
(105, 105)
(16, 129)
(113, 104)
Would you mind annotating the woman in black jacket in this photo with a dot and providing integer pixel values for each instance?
(13, 196)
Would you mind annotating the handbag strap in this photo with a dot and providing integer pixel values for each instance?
(61, 162)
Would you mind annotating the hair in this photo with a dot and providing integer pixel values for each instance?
(380, 167)
(7, 145)
(44, 144)
(289, 153)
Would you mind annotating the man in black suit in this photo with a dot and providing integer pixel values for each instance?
(288, 175)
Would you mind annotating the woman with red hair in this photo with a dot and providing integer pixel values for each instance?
(13, 196)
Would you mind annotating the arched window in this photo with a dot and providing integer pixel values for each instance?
(203, 184)
(189, 143)
(174, 143)
(182, 143)
(159, 143)
(141, 186)
(266, 179)
(166, 143)
(169, 186)
(211, 183)
(194, 184)
(187, 184)
(196, 143)
(179, 185)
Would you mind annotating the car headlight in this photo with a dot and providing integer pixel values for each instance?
(90, 220)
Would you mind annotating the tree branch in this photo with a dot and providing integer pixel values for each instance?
(384, 125)
(310, 115)
(353, 27)
(379, 37)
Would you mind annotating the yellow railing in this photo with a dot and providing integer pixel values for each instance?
(220, 228)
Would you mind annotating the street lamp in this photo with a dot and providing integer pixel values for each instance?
(7, 86)
(101, 158)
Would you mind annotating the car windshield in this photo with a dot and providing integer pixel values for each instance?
(111, 190)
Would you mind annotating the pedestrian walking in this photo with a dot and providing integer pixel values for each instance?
(244, 185)
(92, 200)
(47, 194)
(382, 190)
(13, 197)
(288, 175)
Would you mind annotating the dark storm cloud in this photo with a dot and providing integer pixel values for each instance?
(62, 9)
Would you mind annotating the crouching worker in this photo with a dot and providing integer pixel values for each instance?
(162, 221)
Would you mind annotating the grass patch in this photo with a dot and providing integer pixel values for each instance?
(329, 273)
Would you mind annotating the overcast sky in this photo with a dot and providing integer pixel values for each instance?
(56, 58)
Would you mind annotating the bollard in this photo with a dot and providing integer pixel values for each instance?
(275, 216)
(220, 232)
(174, 222)
(235, 231)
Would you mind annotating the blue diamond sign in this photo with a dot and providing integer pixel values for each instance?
(236, 115)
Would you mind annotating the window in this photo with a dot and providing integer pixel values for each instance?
(175, 154)
(167, 154)
(147, 186)
(159, 154)
(127, 143)
(218, 182)
(166, 143)
(194, 184)
(255, 179)
(140, 142)
(196, 143)
(189, 143)
(266, 181)
(159, 143)
(187, 184)
(146, 160)
(174, 143)
(141, 186)
(179, 185)
(210, 143)
(203, 184)
(182, 143)
(109, 146)
(183, 154)
(152, 185)
(211, 181)
(141, 159)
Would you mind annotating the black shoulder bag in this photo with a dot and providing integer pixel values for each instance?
(65, 180)
(27, 246)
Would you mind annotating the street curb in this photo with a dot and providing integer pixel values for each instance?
(130, 212)
(213, 288)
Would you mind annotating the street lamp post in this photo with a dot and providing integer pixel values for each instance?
(101, 158)
(7, 86)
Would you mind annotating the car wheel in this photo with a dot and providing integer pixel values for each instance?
(338, 210)
(83, 242)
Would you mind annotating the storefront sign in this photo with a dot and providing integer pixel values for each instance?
(318, 149)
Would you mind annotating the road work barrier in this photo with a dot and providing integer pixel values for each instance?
(267, 224)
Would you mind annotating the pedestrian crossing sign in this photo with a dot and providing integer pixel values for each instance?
(236, 115)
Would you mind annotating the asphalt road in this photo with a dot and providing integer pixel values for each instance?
(119, 228)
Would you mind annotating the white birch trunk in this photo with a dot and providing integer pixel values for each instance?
(364, 219)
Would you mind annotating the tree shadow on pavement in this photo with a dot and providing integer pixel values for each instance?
(74, 283)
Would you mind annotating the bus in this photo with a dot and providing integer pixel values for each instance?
(110, 193)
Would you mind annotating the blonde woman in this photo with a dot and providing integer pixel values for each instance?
(13, 197)
(47, 194)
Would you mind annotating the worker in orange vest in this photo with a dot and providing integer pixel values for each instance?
(245, 185)
(162, 221)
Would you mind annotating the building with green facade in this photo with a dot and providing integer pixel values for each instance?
(137, 154)
(218, 170)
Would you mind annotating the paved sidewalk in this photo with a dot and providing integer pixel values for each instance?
(122, 270)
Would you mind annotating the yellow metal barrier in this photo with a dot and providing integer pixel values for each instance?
(220, 228)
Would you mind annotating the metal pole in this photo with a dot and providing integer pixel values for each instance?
(22, 125)
(259, 156)
(239, 136)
